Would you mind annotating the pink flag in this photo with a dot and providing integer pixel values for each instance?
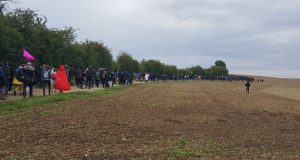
(28, 56)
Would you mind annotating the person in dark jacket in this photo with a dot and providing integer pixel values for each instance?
(78, 77)
(127, 77)
(98, 78)
(121, 78)
(2, 82)
(91, 74)
(247, 85)
(10, 75)
(105, 78)
(28, 78)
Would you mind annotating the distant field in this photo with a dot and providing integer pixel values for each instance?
(284, 88)
(292, 93)
(183, 120)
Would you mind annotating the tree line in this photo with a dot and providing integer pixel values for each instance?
(25, 29)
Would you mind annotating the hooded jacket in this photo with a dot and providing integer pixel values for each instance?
(28, 74)
(62, 82)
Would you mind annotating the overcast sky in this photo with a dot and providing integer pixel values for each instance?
(260, 37)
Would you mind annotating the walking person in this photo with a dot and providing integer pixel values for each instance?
(67, 68)
(62, 81)
(105, 79)
(2, 83)
(147, 75)
(247, 85)
(84, 78)
(17, 82)
(52, 79)
(72, 73)
(110, 79)
(91, 74)
(98, 78)
(46, 80)
(78, 77)
(28, 75)
(131, 78)
(113, 77)
(9, 72)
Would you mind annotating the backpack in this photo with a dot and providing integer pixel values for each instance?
(46, 75)
(247, 85)
(19, 75)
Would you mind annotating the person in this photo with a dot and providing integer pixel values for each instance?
(131, 78)
(84, 77)
(62, 81)
(247, 87)
(45, 77)
(147, 77)
(121, 78)
(113, 77)
(72, 74)
(110, 79)
(38, 75)
(98, 78)
(105, 79)
(28, 75)
(90, 74)
(126, 78)
(79, 77)
(9, 74)
(67, 68)
(52, 80)
(17, 82)
(2, 83)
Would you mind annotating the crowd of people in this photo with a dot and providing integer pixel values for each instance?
(23, 78)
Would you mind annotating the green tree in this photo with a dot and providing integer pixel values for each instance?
(97, 54)
(197, 71)
(218, 71)
(220, 63)
(152, 66)
(10, 41)
(127, 63)
(169, 69)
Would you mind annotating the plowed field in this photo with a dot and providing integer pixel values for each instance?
(183, 120)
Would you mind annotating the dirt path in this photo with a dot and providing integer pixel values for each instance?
(39, 92)
(193, 120)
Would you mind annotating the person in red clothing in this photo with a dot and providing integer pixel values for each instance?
(62, 81)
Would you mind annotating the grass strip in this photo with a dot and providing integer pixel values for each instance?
(10, 106)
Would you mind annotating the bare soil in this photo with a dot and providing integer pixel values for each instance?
(212, 120)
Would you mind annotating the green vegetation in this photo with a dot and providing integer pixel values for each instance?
(178, 152)
(125, 62)
(181, 142)
(184, 148)
(180, 149)
(25, 29)
(9, 106)
(220, 63)
(13, 157)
